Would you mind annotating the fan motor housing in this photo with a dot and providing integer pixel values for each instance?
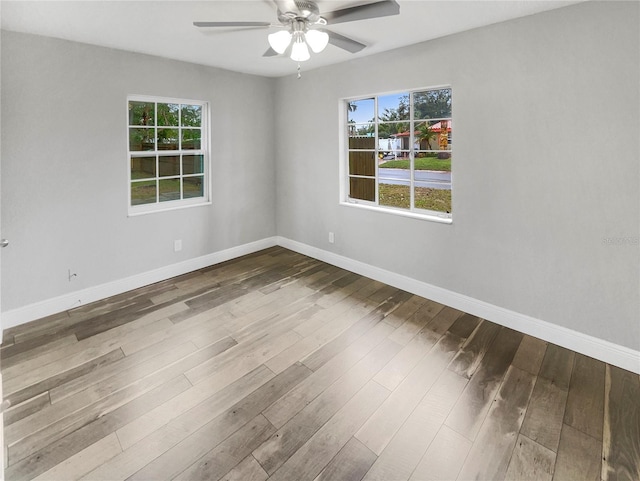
(306, 10)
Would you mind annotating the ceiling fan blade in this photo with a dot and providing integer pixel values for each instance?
(270, 53)
(345, 43)
(232, 24)
(383, 8)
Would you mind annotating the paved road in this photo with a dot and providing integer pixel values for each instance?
(423, 178)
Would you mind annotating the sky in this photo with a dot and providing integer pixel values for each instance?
(365, 113)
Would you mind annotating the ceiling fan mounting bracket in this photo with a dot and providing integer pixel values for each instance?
(306, 12)
(304, 9)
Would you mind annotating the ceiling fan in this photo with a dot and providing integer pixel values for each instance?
(302, 27)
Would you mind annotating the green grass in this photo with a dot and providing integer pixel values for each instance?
(423, 163)
(425, 198)
(145, 192)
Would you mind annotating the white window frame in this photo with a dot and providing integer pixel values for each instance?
(346, 200)
(205, 149)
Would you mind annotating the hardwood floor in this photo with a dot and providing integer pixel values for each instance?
(278, 366)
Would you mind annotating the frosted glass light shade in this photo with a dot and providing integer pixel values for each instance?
(299, 51)
(279, 41)
(317, 40)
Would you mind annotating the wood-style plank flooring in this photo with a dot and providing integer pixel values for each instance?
(278, 366)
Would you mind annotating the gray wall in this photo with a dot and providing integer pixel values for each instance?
(64, 167)
(536, 191)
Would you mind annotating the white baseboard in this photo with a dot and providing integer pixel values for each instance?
(606, 351)
(48, 307)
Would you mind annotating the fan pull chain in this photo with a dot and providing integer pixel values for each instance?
(299, 74)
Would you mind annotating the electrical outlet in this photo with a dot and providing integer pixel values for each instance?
(177, 245)
(332, 238)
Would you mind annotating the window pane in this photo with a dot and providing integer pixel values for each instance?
(143, 167)
(432, 104)
(394, 107)
(359, 111)
(192, 116)
(432, 199)
(426, 136)
(361, 131)
(141, 139)
(168, 114)
(445, 134)
(433, 135)
(168, 139)
(443, 129)
(168, 165)
(433, 161)
(141, 113)
(193, 187)
(389, 148)
(433, 182)
(192, 164)
(191, 139)
(433, 172)
(143, 192)
(398, 159)
(394, 193)
(169, 189)
(398, 130)
(362, 163)
(364, 189)
(398, 169)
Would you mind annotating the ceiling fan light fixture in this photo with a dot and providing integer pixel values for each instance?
(299, 49)
(301, 27)
(279, 41)
(317, 40)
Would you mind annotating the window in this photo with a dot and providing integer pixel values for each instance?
(168, 153)
(399, 152)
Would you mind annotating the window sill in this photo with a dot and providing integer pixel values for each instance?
(137, 212)
(400, 212)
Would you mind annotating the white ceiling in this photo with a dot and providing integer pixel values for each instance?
(164, 28)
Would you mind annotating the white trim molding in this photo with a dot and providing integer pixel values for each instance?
(606, 351)
(48, 307)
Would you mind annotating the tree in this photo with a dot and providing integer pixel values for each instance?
(432, 104)
(425, 134)
(389, 124)
(365, 130)
(403, 109)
